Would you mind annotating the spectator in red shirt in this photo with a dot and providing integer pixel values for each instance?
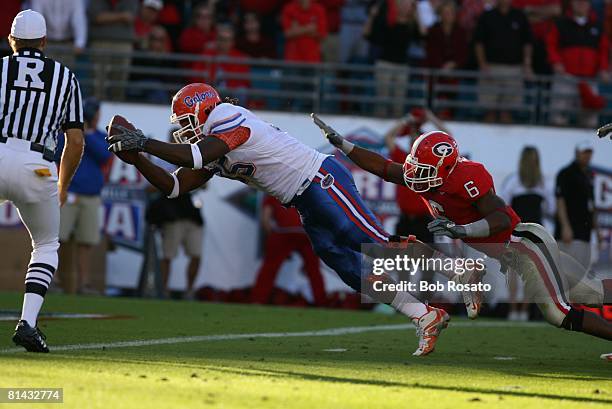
(305, 26)
(222, 72)
(252, 42)
(578, 50)
(447, 46)
(285, 235)
(198, 37)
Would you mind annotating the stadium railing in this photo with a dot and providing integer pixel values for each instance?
(329, 88)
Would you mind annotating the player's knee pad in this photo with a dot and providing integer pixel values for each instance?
(573, 320)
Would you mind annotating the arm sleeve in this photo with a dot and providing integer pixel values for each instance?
(235, 137)
(74, 109)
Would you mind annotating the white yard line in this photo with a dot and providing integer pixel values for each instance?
(58, 316)
(230, 337)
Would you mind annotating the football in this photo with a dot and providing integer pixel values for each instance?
(118, 120)
(126, 156)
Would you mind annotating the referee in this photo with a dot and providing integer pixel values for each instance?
(39, 97)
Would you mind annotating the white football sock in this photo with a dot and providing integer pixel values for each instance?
(408, 305)
(32, 304)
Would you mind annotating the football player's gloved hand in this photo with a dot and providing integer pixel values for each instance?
(441, 226)
(332, 136)
(605, 130)
(127, 140)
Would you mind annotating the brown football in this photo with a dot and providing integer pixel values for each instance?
(126, 156)
(118, 120)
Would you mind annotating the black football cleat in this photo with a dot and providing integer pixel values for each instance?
(32, 339)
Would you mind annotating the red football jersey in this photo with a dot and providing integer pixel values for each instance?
(456, 198)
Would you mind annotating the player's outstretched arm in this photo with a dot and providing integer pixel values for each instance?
(192, 156)
(171, 185)
(377, 164)
(365, 159)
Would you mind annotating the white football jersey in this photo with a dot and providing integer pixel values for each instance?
(270, 160)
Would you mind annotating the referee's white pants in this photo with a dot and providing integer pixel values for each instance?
(30, 183)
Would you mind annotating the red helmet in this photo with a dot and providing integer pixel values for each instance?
(190, 108)
(432, 158)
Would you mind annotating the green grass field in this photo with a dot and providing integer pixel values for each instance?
(549, 367)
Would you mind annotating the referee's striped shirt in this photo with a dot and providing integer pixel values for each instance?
(39, 97)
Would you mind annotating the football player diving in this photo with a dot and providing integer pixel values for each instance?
(462, 194)
(221, 138)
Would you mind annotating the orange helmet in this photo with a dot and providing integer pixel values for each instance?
(192, 103)
(432, 158)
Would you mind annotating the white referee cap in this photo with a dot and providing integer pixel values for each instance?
(29, 25)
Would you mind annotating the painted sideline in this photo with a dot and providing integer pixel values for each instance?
(230, 337)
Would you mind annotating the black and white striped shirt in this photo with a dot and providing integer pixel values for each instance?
(39, 97)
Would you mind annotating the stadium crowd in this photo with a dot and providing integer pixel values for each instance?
(505, 41)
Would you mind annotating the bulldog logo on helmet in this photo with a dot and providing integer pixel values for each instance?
(442, 149)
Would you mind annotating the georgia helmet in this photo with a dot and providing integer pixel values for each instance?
(191, 106)
(432, 158)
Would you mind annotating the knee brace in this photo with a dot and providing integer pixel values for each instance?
(573, 320)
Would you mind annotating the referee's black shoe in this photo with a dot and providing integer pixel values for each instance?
(32, 339)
